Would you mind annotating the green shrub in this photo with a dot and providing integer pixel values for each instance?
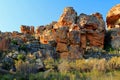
(21, 57)
(14, 42)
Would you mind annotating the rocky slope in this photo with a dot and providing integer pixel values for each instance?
(72, 34)
(71, 37)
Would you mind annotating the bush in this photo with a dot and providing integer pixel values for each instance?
(25, 67)
(14, 42)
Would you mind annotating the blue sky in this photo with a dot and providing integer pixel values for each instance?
(14, 13)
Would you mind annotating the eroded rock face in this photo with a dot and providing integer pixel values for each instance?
(113, 25)
(4, 44)
(92, 28)
(61, 47)
(71, 34)
(61, 35)
(74, 37)
(27, 29)
(114, 35)
(81, 31)
(113, 17)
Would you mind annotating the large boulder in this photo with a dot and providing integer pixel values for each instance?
(92, 28)
(113, 17)
(113, 25)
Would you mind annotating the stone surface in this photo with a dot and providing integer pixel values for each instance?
(113, 17)
(113, 25)
(75, 52)
(62, 35)
(67, 18)
(114, 35)
(61, 47)
(4, 44)
(116, 43)
(74, 37)
(95, 39)
(92, 28)
(67, 37)
(27, 29)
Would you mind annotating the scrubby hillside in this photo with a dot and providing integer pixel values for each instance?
(75, 47)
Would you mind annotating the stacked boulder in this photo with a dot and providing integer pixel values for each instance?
(72, 34)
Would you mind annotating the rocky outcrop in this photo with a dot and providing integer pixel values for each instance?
(67, 18)
(113, 17)
(92, 30)
(81, 31)
(113, 25)
(71, 34)
(27, 29)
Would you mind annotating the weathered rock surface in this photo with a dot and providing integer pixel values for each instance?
(74, 37)
(68, 37)
(83, 31)
(92, 28)
(76, 52)
(113, 17)
(27, 29)
(62, 35)
(4, 44)
(61, 47)
(67, 18)
(113, 25)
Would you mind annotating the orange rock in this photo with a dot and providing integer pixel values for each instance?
(83, 41)
(67, 18)
(113, 17)
(61, 47)
(62, 35)
(43, 39)
(32, 30)
(39, 29)
(96, 39)
(4, 44)
(27, 29)
(74, 27)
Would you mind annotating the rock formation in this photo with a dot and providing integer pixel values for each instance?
(68, 18)
(113, 25)
(74, 33)
(113, 17)
(27, 29)
(71, 37)
(68, 37)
